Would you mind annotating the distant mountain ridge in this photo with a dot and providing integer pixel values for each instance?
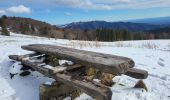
(92, 25)
(85, 30)
(156, 21)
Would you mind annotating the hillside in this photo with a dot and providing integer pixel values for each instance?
(30, 26)
(91, 25)
(33, 27)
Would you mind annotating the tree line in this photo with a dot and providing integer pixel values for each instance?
(121, 35)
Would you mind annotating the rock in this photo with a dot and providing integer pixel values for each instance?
(12, 75)
(24, 68)
(141, 84)
(121, 84)
(25, 73)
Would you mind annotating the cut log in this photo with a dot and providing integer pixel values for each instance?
(137, 73)
(100, 93)
(19, 58)
(105, 62)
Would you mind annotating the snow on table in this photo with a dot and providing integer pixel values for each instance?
(155, 59)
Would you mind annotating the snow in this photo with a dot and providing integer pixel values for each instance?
(48, 66)
(65, 62)
(15, 68)
(48, 83)
(150, 55)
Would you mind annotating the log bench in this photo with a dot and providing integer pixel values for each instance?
(75, 75)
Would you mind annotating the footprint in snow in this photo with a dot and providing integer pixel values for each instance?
(161, 59)
(161, 62)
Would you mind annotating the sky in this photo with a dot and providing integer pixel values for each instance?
(60, 12)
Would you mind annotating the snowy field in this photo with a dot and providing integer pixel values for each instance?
(150, 55)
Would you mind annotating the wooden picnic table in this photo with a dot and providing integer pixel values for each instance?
(106, 63)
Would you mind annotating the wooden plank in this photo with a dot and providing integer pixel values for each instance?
(19, 58)
(107, 63)
(73, 67)
(38, 67)
(24, 61)
(56, 69)
(59, 69)
(137, 73)
(132, 72)
(98, 92)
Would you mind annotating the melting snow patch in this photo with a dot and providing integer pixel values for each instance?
(65, 62)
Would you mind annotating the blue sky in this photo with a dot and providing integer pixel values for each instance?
(66, 11)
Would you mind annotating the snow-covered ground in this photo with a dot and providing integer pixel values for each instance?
(150, 55)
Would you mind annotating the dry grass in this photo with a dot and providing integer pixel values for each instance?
(119, 44)
(84, 44)
(149, 45)
(169, 46)
(97, 44)
(10, 41)
(122, 44)
(129, 45)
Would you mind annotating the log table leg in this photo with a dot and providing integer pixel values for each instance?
(57, 91)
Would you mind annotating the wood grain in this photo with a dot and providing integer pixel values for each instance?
(112, 64)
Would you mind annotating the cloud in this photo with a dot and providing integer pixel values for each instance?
(84, 4)
(112, 1)
(2, 12)
(68, 14)
(113, 4)
(19, 9)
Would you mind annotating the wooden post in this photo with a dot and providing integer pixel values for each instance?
(57, 91)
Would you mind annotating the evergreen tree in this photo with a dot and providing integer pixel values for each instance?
(32, 27)
(4, 17)
(121, 34)
(4, 30)
(113, 34)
